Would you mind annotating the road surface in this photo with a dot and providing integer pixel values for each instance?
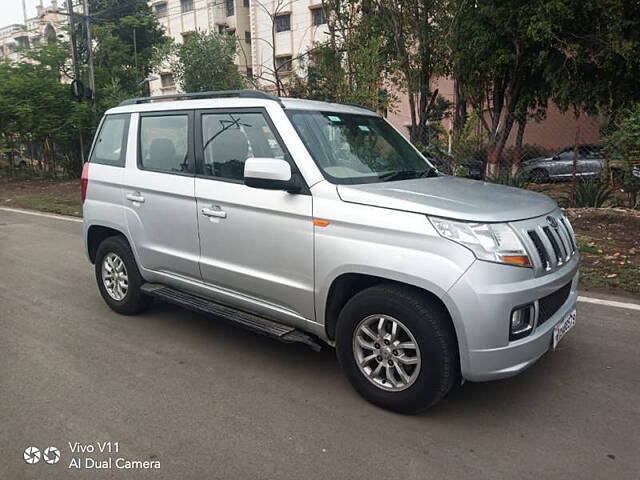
(207, 400)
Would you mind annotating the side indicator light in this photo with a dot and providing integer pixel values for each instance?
(320, 223)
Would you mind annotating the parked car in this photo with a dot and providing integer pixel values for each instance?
(559, 167)
(448, 165)
(319, 223)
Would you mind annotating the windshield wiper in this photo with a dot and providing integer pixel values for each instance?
(408, 174)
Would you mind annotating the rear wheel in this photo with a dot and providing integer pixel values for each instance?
(397, 348)
(118, 277)
(539, 175)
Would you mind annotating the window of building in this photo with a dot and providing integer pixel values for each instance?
(164, 141)
(283, 22)
(230, 138)
(186, 5)
(230, 7)
(318, 16)
(245, 3)
(247, 37)
(249, 72)
(283, 63)
(111, 144)
(167, 80)
(161, 9)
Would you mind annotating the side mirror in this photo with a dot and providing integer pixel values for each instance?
(268, 173)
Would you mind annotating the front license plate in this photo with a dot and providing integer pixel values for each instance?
(563, 327)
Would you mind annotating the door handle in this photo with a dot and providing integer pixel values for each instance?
(135, 197)
(214, 212)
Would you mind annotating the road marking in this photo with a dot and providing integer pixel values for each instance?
(40, 214)
(610, 303)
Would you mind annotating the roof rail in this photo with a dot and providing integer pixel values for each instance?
(199, 95)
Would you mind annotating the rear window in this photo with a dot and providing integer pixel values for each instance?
(111, 142)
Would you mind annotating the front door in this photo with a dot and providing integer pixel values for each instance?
(256, 245)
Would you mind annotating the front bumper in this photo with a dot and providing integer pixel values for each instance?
(481, 310)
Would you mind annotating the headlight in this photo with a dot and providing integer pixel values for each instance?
(494, 242)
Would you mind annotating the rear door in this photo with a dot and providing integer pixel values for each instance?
(159, 194)
(256, 245)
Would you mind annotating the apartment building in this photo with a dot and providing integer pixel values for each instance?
(283, 33)
(46, 27)
(181, 17)
(272, 34)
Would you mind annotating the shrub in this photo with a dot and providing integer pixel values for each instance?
(592, 194)
(504, 177)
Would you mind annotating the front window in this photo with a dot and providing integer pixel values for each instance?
(230, 138)
(353, 149)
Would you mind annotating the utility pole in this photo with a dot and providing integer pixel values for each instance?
(92, 77)
(74, 60)
(24, 12)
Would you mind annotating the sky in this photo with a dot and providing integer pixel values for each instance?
(11, 10)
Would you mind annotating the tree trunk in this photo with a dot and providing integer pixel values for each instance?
(517, 148)
(460, 117)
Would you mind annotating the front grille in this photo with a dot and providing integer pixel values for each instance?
(550, 304)
(554, 243)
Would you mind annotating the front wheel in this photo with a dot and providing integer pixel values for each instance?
(397, 348)
(118, 277)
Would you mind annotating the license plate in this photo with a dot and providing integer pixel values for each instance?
(563, 327)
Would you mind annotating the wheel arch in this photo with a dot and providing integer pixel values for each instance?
(96, 234)
(347, 285)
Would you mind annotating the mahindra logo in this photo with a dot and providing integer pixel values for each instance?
(552, 221)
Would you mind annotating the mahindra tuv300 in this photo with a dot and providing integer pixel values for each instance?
(318, 222)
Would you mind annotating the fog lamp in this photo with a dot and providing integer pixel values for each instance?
(522, 320)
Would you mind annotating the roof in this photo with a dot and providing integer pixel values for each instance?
(231, 99)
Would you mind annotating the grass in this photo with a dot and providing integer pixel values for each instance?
(37, 193)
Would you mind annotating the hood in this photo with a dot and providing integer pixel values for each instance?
(451, 197)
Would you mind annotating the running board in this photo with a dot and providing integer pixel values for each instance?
(249, 321)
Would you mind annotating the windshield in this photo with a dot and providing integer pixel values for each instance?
(352, 148)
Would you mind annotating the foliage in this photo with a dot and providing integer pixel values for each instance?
(125, 36)
(204, 62)
(622, 146)
(414, 32)
(350, 67)
(592, 194)
(502, 64)
(599, 41)
(37, 113)
(504, 177)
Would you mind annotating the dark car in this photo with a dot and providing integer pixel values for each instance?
(589, 163)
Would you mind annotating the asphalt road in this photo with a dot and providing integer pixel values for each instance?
(208, 400)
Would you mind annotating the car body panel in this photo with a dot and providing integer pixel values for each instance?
(451, 197)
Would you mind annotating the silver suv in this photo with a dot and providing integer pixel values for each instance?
(319, 223)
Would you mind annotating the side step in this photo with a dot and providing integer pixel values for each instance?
(245, 320)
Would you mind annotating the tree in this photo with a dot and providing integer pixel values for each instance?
(205, 62)
(414, 36)
(38, 113)
(350, 66)
(125, 34)
(502, 66)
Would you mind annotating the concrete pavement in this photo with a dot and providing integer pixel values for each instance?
(207, 400)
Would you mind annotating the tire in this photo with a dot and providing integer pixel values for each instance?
(132, 299)
(539, 175)
(438, 367)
